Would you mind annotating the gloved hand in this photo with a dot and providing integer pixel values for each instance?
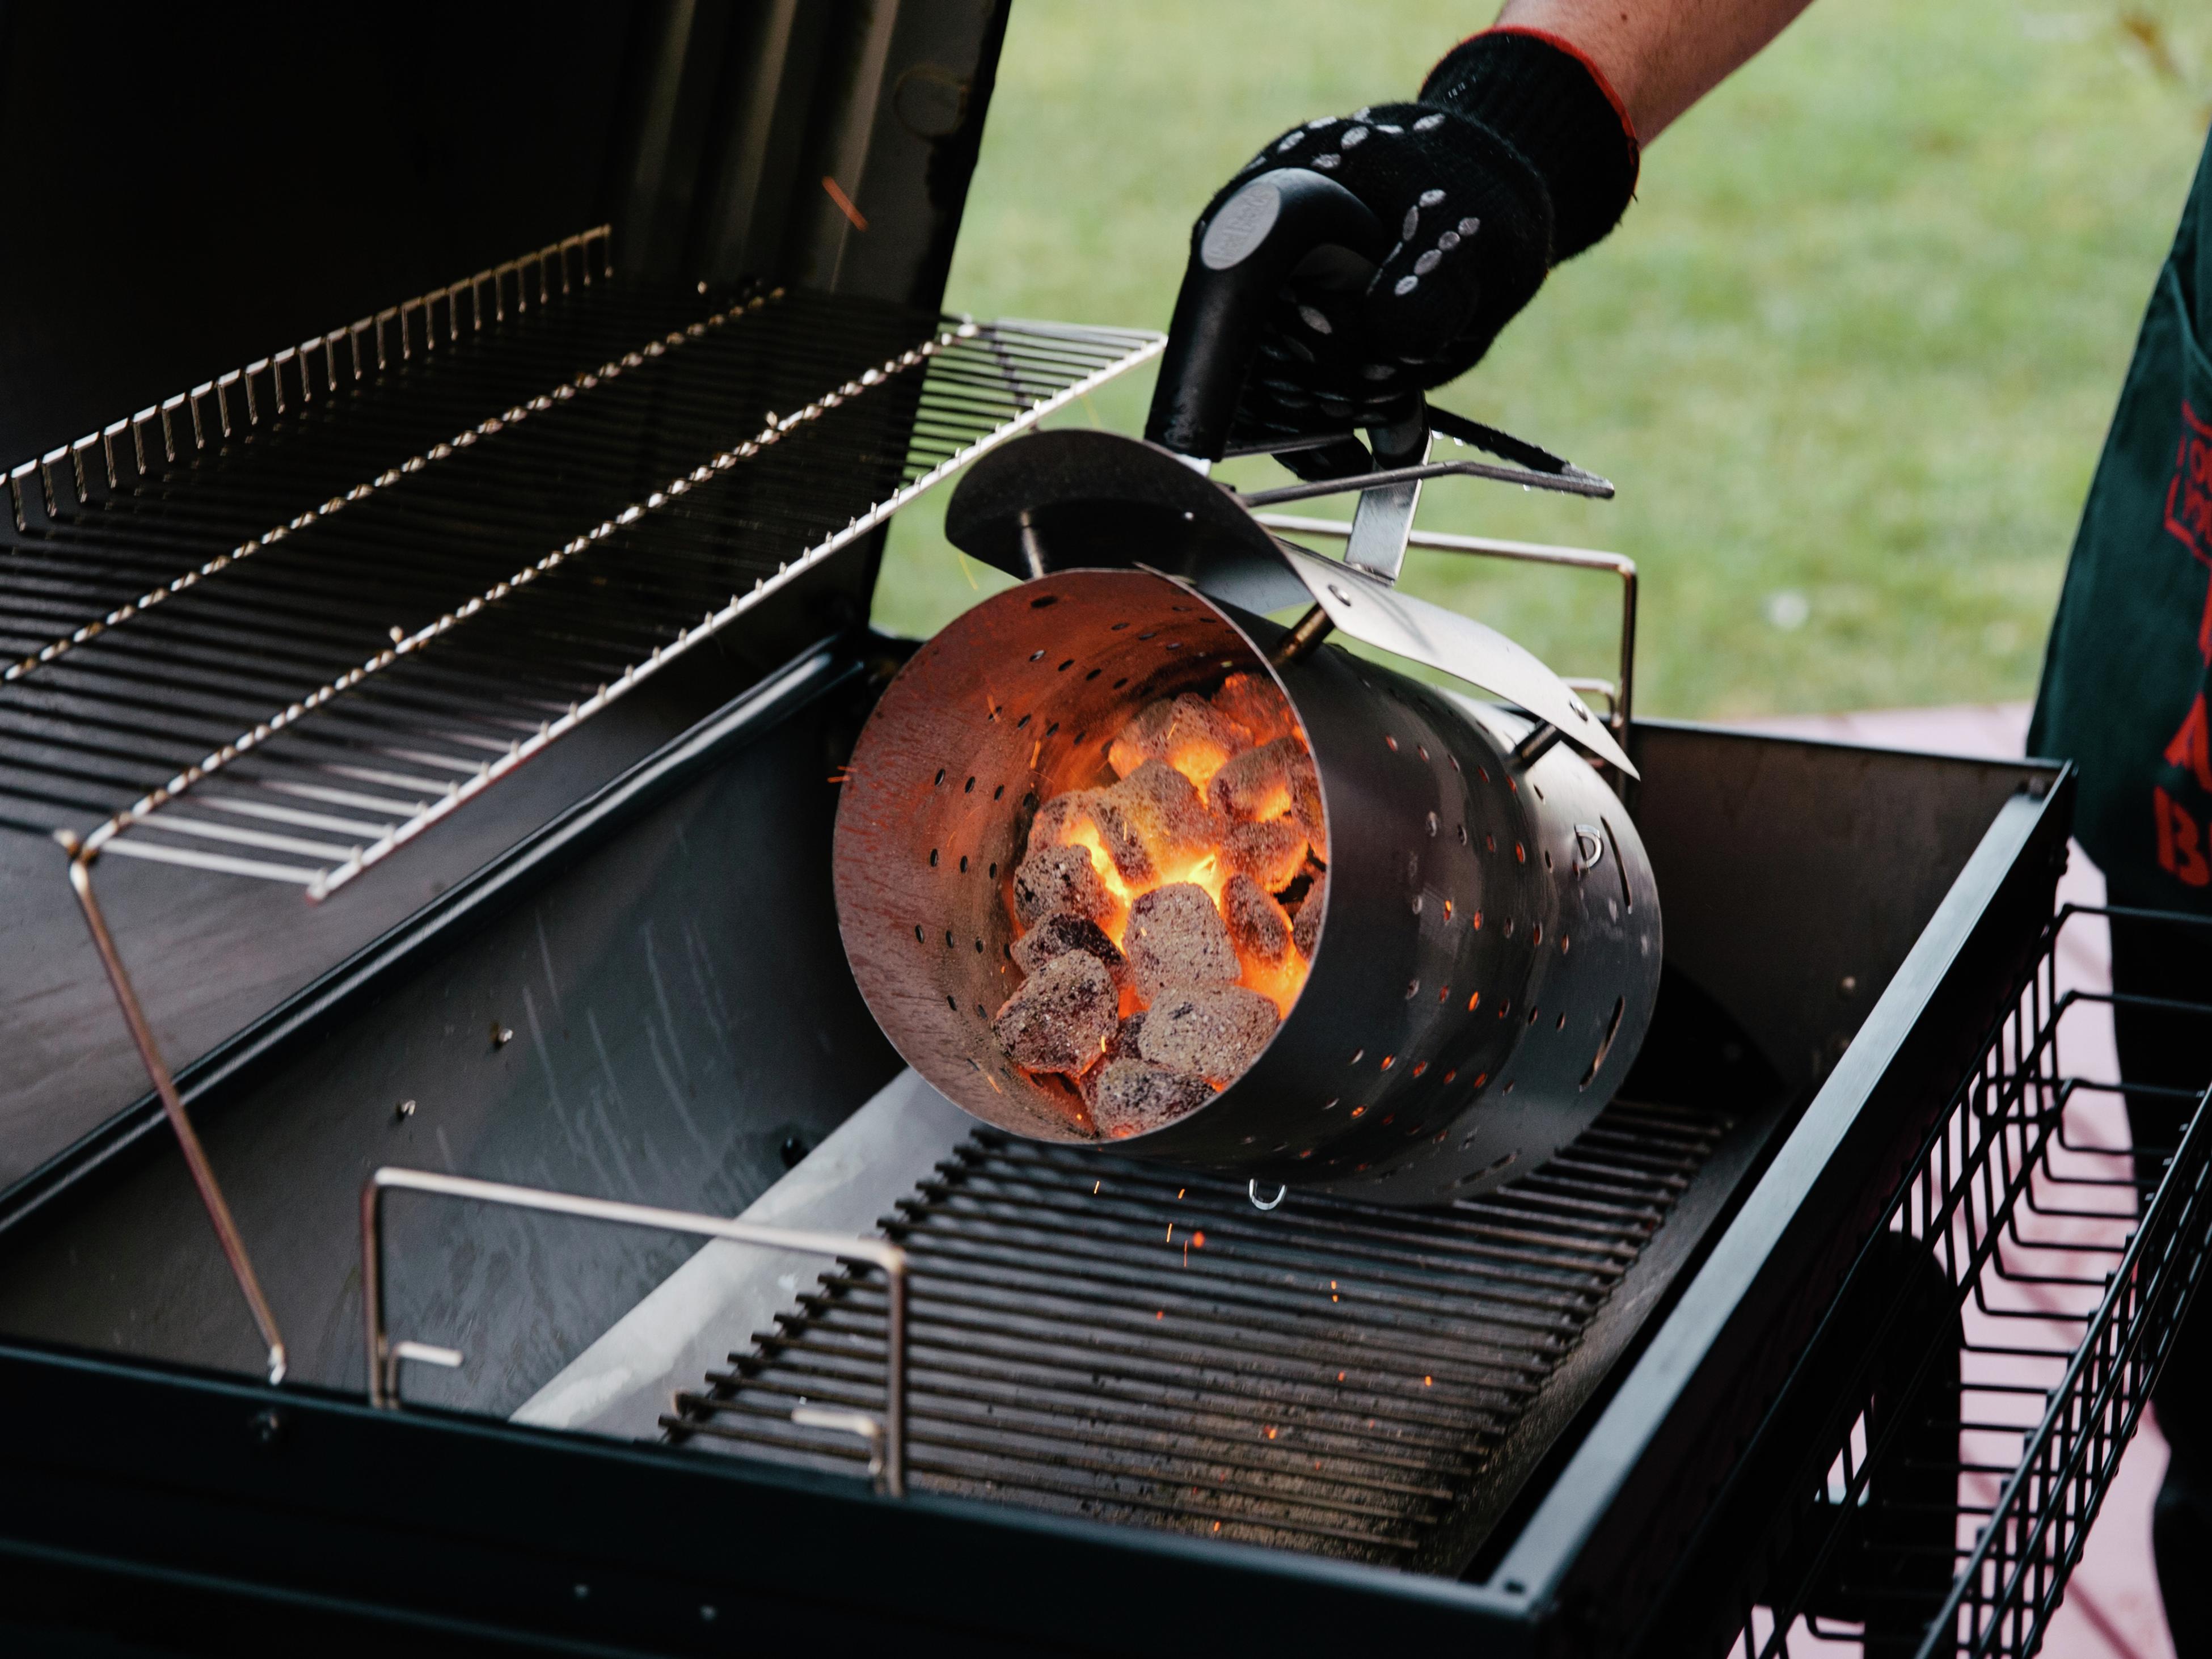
(1516, 155)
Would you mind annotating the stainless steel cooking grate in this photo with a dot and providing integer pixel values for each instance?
(279, 625)
(1104, 1337)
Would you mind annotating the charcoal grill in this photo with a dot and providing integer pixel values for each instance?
(574, 954)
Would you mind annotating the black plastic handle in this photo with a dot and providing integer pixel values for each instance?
(1252, 244)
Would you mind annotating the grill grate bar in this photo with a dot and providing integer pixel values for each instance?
(1228, 1305)
(1178, 1350)
(984, 1397)
(1333, 1377)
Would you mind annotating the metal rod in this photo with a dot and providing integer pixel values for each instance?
(1310, 631)
(1576, 483)
(1538, 744)
(173, 1105)
(382, 1379)
(1578, 558)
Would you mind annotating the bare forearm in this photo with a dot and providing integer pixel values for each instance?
(1662, 56)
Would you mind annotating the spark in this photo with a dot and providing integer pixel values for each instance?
(1428, 1382)
(1170, 1233)
(1095, 1186)
(1199, 1239)
(844, 202)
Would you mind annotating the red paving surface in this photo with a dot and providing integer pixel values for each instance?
(2112, 1606)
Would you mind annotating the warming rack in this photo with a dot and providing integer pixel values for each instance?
(279, 626)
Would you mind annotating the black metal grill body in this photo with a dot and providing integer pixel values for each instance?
(301, 1105)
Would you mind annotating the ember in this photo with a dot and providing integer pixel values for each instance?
(1168, 916)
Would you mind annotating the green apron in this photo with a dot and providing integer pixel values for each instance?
(2130, 662)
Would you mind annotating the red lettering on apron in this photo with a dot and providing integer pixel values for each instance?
(2188, 507)
(2192, 745)
(2180, 845)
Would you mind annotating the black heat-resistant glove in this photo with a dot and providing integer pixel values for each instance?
(1516, 155)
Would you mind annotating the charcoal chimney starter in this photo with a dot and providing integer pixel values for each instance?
(1487, 959)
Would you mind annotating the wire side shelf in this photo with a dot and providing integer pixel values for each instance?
(2006, 1324)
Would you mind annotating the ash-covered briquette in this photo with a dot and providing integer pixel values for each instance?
(1133, 1096)
(1271, 853)
(1119, 834)
(1060, 820)
(1257, 926)
(1305, 796)
(1056, 935)
(1078, 814)
(1275, 780)
(1186, 732)
(1058, 881)
(1305, 927)
(1166, 812)
(1176, 938)
(1255, 784)
(1062, 1018)
(1127, 1036)
(1253, 701)
(1214, 1030)
(1122, 1045)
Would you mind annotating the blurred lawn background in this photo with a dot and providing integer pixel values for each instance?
(1850, 358)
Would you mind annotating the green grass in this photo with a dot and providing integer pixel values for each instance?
(1850, 358)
